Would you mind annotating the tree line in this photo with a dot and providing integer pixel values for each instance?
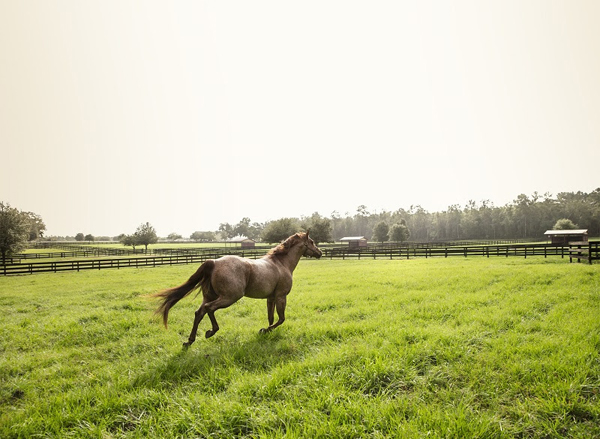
(527, 216)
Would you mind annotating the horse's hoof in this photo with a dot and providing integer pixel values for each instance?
(263, 330)
(186, 345)
(209, 333)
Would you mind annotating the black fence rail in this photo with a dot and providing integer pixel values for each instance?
(522, 250)
(100, 264)
(77, 251)
(584, 251)
(519, 250)
(445, 244)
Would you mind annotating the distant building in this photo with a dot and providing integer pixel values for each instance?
(355, 241)
(245, 242)
(563, 237)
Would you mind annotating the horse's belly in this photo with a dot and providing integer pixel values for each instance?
(263, 280)
(260, 288)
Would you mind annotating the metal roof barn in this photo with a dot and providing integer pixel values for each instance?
(355, 241)
(566, 236)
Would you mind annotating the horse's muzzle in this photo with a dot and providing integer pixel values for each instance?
(313, 253)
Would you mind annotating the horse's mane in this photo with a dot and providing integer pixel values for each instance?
(284, 247)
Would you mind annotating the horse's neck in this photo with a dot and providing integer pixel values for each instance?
(291, 259)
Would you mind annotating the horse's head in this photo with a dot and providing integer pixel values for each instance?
(310, 248)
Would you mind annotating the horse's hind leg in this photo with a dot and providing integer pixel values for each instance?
(215, 325)
(197, 319)
(211, 307)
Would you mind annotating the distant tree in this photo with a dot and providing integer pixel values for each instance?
(79, 237)
(399, 232)
(36, 225)
(362, 210)
(203, 236)
(280, 229)
(564, 224)
(145, 234)
(243, 228)
(174, 236)
(129, 240)
(381, 232)
(89, 237)
(226, 231)
(14, 231)
(320, 228)
(362, 224)
(248, 229)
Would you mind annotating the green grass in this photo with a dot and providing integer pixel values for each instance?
(491, 348)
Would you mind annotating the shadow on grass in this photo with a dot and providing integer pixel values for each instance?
(211, 365)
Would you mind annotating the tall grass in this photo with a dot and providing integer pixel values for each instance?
(496, 348)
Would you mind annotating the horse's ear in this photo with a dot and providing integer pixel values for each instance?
(307, 232)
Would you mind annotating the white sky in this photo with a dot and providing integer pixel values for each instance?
(191, 113)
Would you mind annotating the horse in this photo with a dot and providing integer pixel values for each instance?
(226, 280)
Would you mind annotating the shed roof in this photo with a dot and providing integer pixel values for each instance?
(240, 239)
(353, 238)
(566, 232)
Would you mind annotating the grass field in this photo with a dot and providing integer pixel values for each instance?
(477, 347)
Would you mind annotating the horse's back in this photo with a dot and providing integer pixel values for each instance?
(238, 276)
(230, 275)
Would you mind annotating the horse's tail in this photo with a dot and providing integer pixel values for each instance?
(170, 296)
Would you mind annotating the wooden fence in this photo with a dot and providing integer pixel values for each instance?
(520, 250)
(99, 264)
(523, 250)
(587, 251)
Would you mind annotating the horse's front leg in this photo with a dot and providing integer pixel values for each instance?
(271, 309)
(279, 303)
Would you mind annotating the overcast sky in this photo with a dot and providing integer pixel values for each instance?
(187, 114)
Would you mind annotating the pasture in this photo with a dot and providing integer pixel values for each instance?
(475, 347)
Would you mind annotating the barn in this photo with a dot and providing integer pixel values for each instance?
(243, 241)
(355, 241)
(563, 237)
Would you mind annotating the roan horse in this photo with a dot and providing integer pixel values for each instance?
(226, 280)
